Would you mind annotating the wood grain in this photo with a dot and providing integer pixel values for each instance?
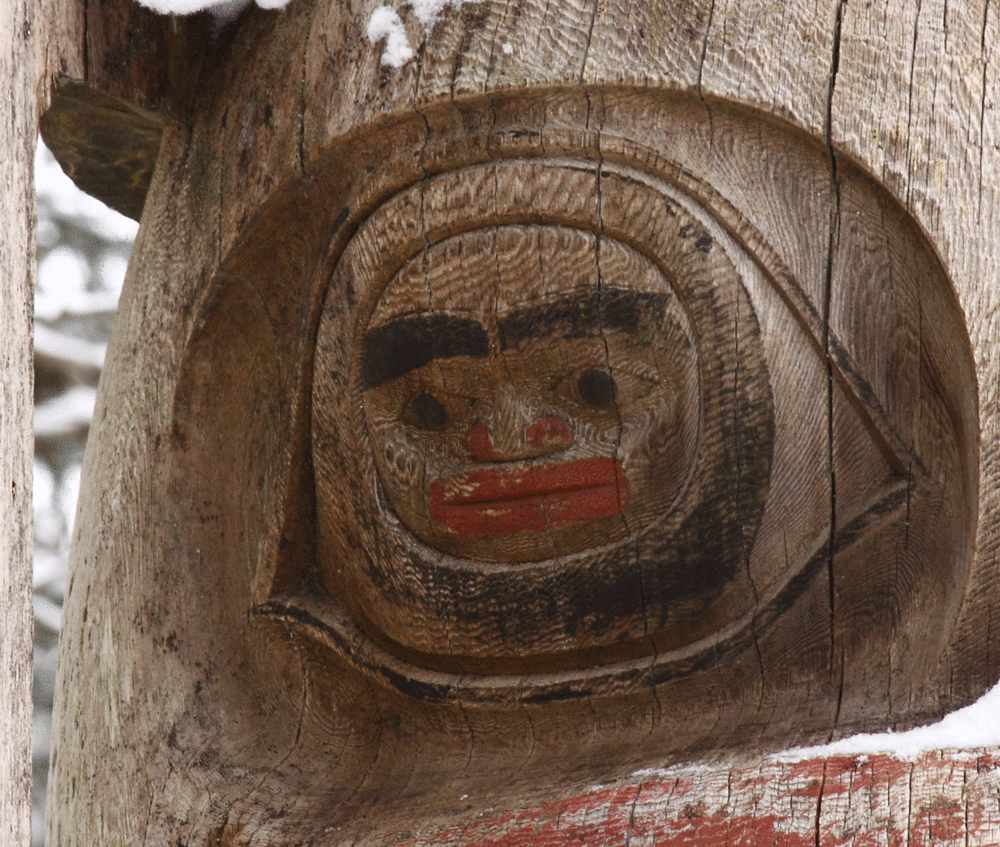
(105, 146)
(36, 42)
(18, 116)
(935, 799)
(289, 650)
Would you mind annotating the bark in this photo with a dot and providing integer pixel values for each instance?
(275, 635)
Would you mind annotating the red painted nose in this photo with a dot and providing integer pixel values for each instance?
(479, 444)
(541, 436)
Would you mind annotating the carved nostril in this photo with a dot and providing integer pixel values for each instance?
(549, 432)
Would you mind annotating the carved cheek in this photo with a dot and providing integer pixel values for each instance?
(603, 438)
(402, 455)
(549, 432)
(633, 437)
(411, 457)
(647, 427)
(663, 424)
(479, 443)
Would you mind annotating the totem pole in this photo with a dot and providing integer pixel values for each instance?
(607, 387)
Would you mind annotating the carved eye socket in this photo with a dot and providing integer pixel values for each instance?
(429, 411)
(597, 388)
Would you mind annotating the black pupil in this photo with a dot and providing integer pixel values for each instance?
(597, 388)
(429, 411)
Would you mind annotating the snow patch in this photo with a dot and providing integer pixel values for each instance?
(386, 23)
(224, 11)
(970, 728)
(428, 11)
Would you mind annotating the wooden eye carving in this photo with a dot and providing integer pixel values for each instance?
(597, 388)
(630, 450)
(428, 411)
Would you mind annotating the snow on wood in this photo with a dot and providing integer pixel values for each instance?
(975, 726)
(386, 23)
(223, 11)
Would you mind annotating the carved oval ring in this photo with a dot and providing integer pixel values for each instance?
(561, 419)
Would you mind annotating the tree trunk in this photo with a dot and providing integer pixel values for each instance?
(605, 387)
(30, 37)
(16, 249)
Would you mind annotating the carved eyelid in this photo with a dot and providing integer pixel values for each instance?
(640, 370)
(637, 370)
(455, 403)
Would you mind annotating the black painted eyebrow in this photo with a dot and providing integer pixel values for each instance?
(405, 344)
(576, 316)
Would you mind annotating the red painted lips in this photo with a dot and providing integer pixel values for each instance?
(503, 502)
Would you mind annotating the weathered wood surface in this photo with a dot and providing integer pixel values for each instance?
(936, 800)
(710, 551)
(288, 652)
(107, 147)
(25, 34)
(17, 126)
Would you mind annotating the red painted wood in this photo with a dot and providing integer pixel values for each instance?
(549, 431)
(939, 800)
(499, 502)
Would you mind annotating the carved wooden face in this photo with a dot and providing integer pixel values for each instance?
(538, 439)
(530, 393)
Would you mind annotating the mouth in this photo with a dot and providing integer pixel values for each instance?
(532, 499)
